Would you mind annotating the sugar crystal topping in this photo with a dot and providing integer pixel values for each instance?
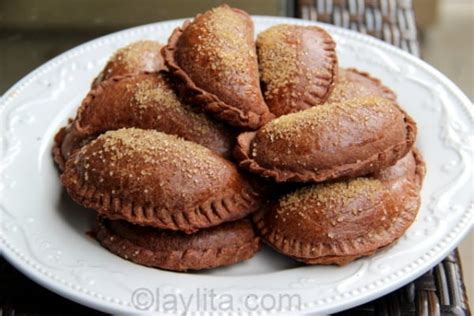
(152, 93)
(223, 42)
(291, 125)
(346, 89)
(325, 197)
(281, 53)
(132, 55)
(278, 57)
(131, 145)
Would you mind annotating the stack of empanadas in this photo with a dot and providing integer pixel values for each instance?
(176, 146)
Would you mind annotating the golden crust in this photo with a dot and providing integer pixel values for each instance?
(352, 83)
(143, 101)
(135, 58)
(330, 141)
(213, 247)
(214, 61)
(298, 67)
(339, 222)
(151, 178)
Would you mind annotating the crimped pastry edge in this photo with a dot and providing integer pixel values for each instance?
(223, 207)
(341, 252)
(209, 101)
(175, 260)
(311, 97)
(396, 152)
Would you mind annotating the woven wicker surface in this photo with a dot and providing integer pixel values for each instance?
(439, 292)
(390, 20)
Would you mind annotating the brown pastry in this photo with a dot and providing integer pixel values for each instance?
(405, 176)
(336, 223)
(144, 101)
(329, 141)
(298, 67)
(135, 58)
(151, 178)
(214, 61)
(213, 247)
(352, 83)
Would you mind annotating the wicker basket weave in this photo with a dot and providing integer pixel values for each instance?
(439, 292)
(389, 20)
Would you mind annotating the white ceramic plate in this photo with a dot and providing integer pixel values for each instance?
(44, 234)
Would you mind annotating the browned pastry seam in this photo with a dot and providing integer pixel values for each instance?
(420, 169)
(339, 251)
(310, 102)
(341, 260)
(207, 214)
(176, 260)
(211, 102)
(57, 154)
(245, 139)
(311, 98)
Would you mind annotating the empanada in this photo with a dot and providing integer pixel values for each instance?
(151, 178)
(298, 67)
(335, 223)
(329, 141)
(214, 61)
(213, 247)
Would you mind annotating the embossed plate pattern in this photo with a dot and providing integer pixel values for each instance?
(43, 233)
